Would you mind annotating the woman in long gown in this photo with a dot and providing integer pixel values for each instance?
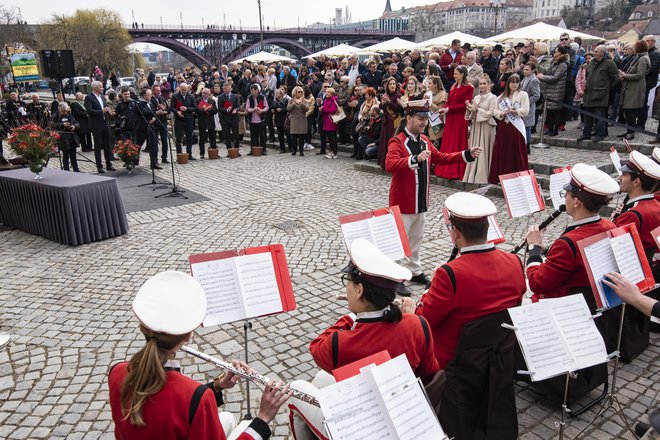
(455, 135)
(437, 99)
(482, 134)
(510, 148)
(392, 113)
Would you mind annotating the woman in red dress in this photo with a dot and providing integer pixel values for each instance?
(455, 136)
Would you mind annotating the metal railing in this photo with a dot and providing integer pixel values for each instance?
(267, 29)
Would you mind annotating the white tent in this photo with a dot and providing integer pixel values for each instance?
(539, 32)
(335, 51)
(394, 45)
(263, 56)
(445, 40)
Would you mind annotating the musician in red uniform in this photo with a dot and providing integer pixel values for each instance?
(639, 179)
(460, 293)
(374, 324)
(150, 398)
(409, 158)
(563, 271)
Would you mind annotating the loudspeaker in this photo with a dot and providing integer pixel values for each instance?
(57, 63)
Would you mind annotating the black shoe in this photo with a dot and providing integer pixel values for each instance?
(622, 135)
(302, 154)
(552, 134)
(192, 158)
(597, 139)
(420, 279)
(110, 168)
(100, 170)
(320, 153)
(293, 153)
(352, 155)
(642, 428)
(164, 161)
(584, 137)
(201, 156)
(156, 167)
(402, 290)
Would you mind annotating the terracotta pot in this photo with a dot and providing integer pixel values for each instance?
(257, 151)
(213, 153)
(182, 158)
(232, 153)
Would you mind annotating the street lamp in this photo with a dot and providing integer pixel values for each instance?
(261, 27)
(496, 4)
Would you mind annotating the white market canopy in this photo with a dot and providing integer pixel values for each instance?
(539, 32)
(394, 45)
(263, 56)
(335, 51)
(445, 40)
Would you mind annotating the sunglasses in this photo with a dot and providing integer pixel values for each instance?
(563, 39)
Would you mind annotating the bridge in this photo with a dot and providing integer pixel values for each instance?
(219, 45)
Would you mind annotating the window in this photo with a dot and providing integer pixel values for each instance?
(649, 14)
(638, 15)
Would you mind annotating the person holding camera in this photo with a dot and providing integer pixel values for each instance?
(66, 125)
(127, 115)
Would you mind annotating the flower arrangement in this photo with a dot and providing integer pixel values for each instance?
(34, 144)
(127, 152)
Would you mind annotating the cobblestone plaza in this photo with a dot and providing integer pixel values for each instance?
(68, 309)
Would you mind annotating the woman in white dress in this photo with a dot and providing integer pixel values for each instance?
(482, 134)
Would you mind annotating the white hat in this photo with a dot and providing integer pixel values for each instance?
(656, 154)
(639, 163)
(373, 266)
(469, 206)
(590, 179)
(170, 302)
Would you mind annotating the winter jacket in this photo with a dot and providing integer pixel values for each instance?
(601, 76)
(633, 87)
(553, 82)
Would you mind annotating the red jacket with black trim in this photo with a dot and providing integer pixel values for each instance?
(645, 214)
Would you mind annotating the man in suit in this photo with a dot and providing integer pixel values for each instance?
(160, 126)
(206, 108)
(97, 116)
(228, 104)
(144, 127)
(183, 106)
(38, 112)
(79, 112)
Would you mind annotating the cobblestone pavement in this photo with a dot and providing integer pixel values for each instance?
(68, 309)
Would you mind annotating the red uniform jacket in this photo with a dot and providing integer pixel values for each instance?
(460, 294)
(343, 344)
(410, 181)
(563, 269)
(644, 212)
(166, 412)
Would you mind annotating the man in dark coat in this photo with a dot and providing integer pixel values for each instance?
(374, 77)
(228, 104)
(206, 109)
(78, 111)
(183, 106)
(489, 64)
(144, 127)
(97, 113)
(65, 124)
(160, 126)
(38, 112)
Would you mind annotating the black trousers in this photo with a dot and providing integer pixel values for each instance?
(85, 141)
(204, 135)
(553, 119)
(152, 144)
(298, 140)
(102, 143)
(590, 121)
(311, 122)
(281, 137)
(230, 133)
(324, 139)
(161, 131)
(332, 140)
(258, 134)
(69, 154)
(633, 117)
(269, 125)
(182, 126)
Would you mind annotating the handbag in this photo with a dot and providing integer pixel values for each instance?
(338, 116)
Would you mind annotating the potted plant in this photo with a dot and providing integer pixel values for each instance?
(213, 153)
(127, 152)
(232, 153)
(34, 144)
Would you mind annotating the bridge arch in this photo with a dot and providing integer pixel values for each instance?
(177, 47)
(293, 46)
(367, 42)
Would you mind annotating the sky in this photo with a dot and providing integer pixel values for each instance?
(277, 13)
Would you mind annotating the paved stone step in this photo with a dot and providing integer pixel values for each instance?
(605, 145)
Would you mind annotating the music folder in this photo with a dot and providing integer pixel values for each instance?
(244, 284)
(383, 401)
(382, 227)
(616, 160)
(558, 178)
(522, 193)
(494, 236)
(616, 250)
(557, 336)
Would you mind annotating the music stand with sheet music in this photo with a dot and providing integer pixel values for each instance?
(243, 285)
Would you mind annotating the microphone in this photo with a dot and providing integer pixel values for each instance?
(542, 226)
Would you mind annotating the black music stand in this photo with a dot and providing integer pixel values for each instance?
(247, 325)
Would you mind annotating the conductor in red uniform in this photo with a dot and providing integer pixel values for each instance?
(409, 158)
(150, 398)
(375, 324)
(459, 292)
(639, 179)
(563, 271)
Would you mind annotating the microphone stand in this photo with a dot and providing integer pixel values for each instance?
(175, 191)
(150, 141)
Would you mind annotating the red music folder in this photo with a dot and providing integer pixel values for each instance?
(616, 250)
(495, 234)
(522, 193)
(244, 284)
(382, 227)
(353, 369)
(178, 104)
(203, 105)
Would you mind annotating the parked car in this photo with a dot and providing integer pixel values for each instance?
(127, 81)
(43, 84)
(77, 82)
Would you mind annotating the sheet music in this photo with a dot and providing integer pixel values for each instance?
(407, 405)
(579, 330)
(494, 232)
(557, 182)
(541, 341)
(601, 261)
(353, 410)
(386, 235)
(516, 197)
(530, 193)
(616, 160)
(627, 258)
(256, 275)
(219, 280)
(358, 229)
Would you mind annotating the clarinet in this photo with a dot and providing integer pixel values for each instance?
(542, 226)
(255, 377)
(454, 253)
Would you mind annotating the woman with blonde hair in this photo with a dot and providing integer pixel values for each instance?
(482, 134)
(437, 98)
(411, 92)
(297, 108)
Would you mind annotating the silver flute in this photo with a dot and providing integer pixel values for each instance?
(254, 377)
